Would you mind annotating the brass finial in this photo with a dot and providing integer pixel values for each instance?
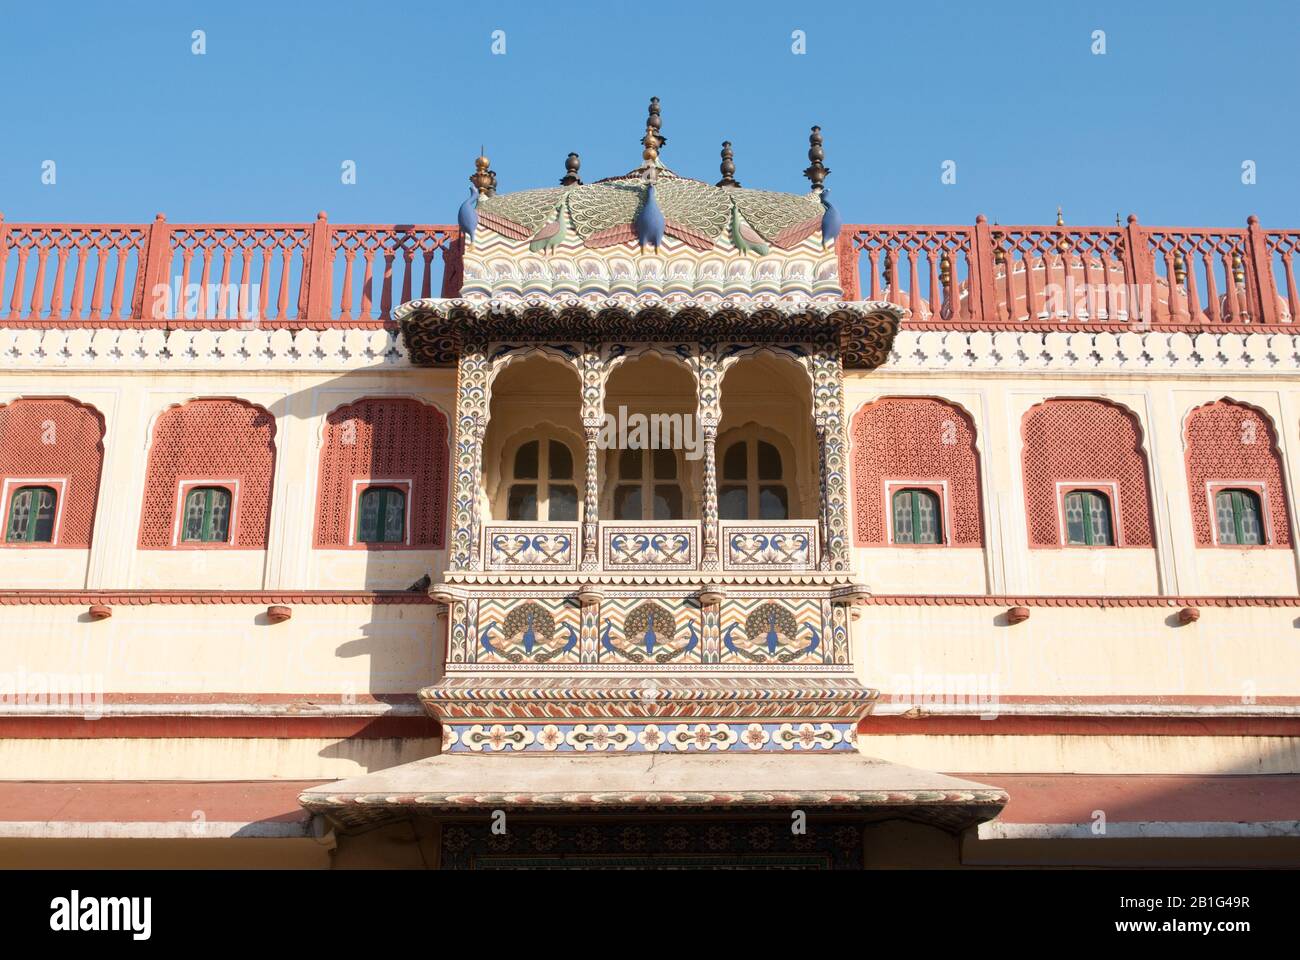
(483, 178)
(728, 167)
(1238, 270)
(817, 171)
(571, 165)
(945, 268)
(653, 141)
(1064, 243)
(999, 251)
(1180, 268)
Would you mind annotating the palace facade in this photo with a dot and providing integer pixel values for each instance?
(648, 522)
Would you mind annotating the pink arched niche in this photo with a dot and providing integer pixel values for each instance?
(1084, 442)
(58, 441)
(397, 439)
(1232, 444)
(915, 441)
(218, 440)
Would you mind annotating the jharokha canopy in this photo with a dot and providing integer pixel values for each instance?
(651, 252)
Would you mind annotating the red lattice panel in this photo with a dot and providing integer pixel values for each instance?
(1231, 441)
(77, 452)
(211, 440)
(903, 438)
(392, 439)
(1082, 441)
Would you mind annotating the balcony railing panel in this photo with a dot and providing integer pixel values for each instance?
(654, 545)
(776, 545)
(522, 546)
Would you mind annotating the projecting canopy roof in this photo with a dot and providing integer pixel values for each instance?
(843, 780)
(433, 330)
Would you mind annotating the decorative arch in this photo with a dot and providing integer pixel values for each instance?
(224, 440)
(915, 440)
(54, 439)
(1070, 442)
(377, 439)
(1230, 443)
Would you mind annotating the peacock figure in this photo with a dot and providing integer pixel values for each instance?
(467, 217)
(553, 232)
(746, 238)
(649, 223)
(831, 222)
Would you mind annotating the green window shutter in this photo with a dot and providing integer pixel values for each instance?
(31, 515)
(1237, 517)
(903, 516)
(207, 515)
(381, 516)
(1087, 519)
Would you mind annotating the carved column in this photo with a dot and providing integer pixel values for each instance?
(592, 372)
(709, 411)
(832, 447)
(591, 499)
(471, 423)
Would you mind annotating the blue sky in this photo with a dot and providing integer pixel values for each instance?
(257, 128)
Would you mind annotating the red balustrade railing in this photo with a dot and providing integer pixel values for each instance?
(213, 274)
(985, 275)
(997, 275)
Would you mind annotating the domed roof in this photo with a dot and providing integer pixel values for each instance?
(603, 213)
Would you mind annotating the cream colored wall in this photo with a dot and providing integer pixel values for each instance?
(1233, 653)
(338, 648)
(131, 402)
(997, 403)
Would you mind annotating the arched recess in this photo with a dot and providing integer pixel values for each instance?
(1085, 443)
(223, 441)
(907, 442)
(766, 397)
(400, 442)
(58, 441)
(1230, 444)
(652, 442)
(535, 396)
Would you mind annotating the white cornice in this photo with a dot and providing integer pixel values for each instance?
(337, 349)
(1145, 354)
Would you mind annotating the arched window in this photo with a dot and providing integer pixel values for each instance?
(1237, 513)
(647, 486)
(542, 485)
(918, 517)
(207, 515)
(381, 515)
(753, 483)
(31, 515)
(1087, 519)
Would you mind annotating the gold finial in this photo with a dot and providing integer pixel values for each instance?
(1064, 243)
(945, 268)
(1180, 268)
(653, 141)
(483, 178)
(1238, 270)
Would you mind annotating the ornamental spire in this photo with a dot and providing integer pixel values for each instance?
(571, 165)
(728, 167)
(653, 141)
(817, 171)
